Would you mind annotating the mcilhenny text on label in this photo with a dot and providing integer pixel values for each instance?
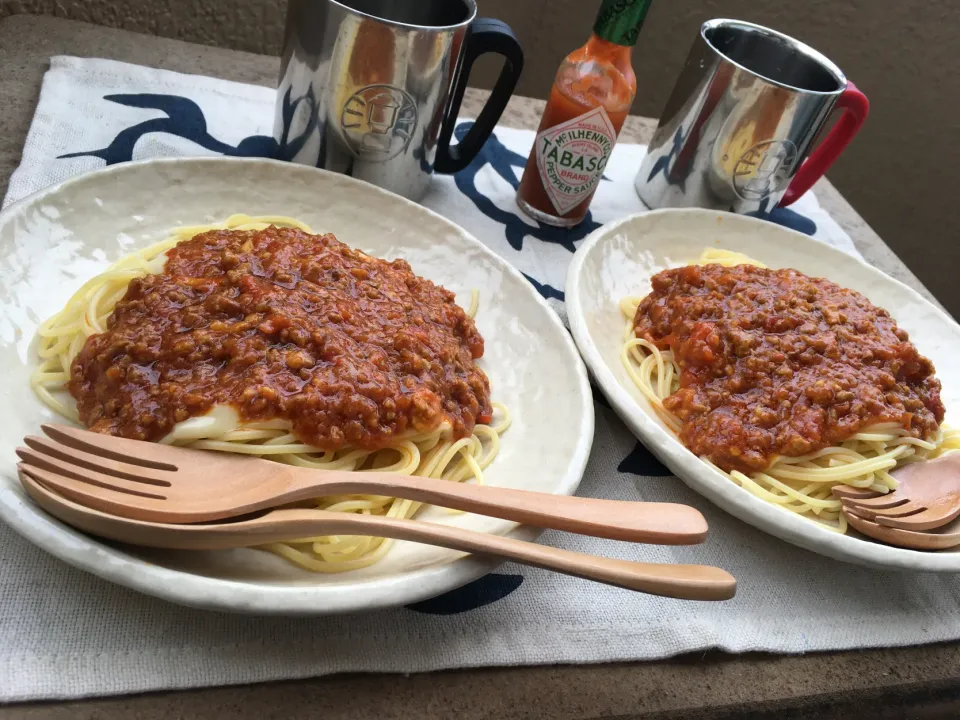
(571, 157)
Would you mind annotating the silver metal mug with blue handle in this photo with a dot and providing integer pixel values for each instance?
(372, 88)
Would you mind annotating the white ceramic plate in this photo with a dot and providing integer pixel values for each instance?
(52, 242)
(620, 258)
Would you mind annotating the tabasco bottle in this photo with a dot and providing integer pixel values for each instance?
(588, 105)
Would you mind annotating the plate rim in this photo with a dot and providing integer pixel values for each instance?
(710, 484)
(115, 565)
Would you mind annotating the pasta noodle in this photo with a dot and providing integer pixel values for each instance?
(436, 454)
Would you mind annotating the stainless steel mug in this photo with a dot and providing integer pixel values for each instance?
(372, 88)
(738, 131)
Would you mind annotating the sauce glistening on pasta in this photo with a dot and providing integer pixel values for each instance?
(775, 363)
(278, 323)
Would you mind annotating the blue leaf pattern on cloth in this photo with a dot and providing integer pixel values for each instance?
(786, 217)
(549, 292)
(185, 119)
(471, 596)
(503, 161)
(641, 461)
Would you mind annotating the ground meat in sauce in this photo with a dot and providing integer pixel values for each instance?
(353, 350)
(776, 363)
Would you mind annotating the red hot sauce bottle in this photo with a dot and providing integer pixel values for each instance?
(589, 102)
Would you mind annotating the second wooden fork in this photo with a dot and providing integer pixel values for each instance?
(927, 497)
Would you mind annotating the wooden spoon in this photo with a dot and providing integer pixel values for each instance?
(944, 537)
(160, 483)
(689, 582)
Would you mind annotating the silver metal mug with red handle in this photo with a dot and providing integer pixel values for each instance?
(738, 132)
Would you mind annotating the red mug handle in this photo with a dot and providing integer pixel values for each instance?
(856, 107)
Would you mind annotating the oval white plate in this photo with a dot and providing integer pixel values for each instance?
(53, 241)
(620, 258)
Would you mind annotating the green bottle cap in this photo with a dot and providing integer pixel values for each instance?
(619, 21)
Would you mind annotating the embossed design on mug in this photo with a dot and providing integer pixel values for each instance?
(764, 169)
(378, 122)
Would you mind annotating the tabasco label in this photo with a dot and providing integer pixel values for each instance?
(571, 157)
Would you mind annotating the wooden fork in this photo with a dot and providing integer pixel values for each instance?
(689, 582)
(927, 497)
(159, 483)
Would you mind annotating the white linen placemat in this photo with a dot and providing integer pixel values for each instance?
(66, 634)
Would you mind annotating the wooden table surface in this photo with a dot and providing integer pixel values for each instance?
(919, 682)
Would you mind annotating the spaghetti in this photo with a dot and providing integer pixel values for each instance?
(803, 482)
(438, 453)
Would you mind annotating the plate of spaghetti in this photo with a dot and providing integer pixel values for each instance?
(765, 368)
(282, 312)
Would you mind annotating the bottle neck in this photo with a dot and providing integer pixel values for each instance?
(597, 47)
(619, 21)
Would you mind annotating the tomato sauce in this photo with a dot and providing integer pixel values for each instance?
(775, 363)
(354, 351)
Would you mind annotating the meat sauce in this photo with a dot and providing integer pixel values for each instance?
(352, 350)
(775, 363)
